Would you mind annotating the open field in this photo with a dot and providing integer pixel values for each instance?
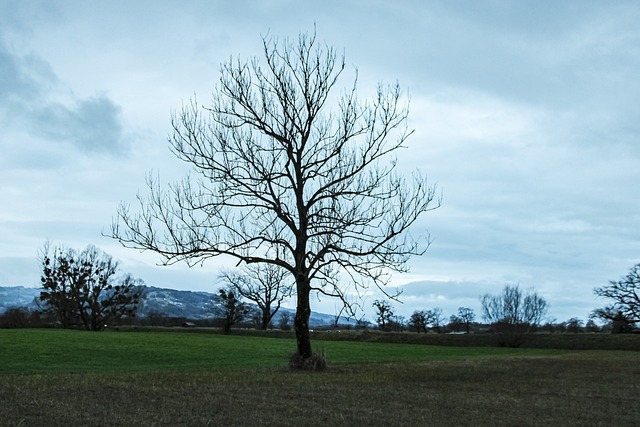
(56, 377)
(559, 341)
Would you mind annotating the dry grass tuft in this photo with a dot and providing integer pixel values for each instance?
(317, 362)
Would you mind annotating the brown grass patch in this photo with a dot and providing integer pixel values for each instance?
(585, 388)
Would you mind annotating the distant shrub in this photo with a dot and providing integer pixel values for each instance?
(20, 317)
(285, 321)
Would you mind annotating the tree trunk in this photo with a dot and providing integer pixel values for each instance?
(266, 318)
(301, 320)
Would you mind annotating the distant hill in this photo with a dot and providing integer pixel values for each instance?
(169, 302)
(198, 305)
(174, 303)
(17, 296)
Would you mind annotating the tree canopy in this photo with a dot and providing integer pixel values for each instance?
(291, 171)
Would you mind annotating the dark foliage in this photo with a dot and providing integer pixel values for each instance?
(384, 313)
(230, 310)
(20, 317)
(80, 289)
(419, 320)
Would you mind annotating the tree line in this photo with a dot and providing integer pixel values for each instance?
(81, 289)
(514, 314)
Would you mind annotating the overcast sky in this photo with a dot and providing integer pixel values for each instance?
(526, 115)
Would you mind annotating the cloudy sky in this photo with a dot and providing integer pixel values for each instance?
(526, 115)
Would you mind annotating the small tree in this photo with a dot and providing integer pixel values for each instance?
(625, 294)
(266, 285)
(513, 314)
(80, 288)
(397, 323)
(466, 316)
(615, 321)
(455, 323)
(574, 325)
(419, 321)
(285, 320)
(230, 309)
(384, 313)
(362, 323)
(591, 326)
(156, 318)
(435, 319)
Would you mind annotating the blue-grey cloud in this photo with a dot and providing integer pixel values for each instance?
(92, 125)
(27, 100)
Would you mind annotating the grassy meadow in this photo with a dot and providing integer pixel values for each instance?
(57, 377)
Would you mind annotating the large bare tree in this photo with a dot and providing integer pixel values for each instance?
(625, 294)
(281, 178)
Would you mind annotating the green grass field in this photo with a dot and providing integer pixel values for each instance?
(57, 377)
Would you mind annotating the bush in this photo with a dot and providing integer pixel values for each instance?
(511, 335)
(20, 317)
(15, 317)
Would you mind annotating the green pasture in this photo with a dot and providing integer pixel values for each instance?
(57, 351)
(61, 378)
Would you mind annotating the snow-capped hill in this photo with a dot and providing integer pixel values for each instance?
(159, 301)
(17, 296)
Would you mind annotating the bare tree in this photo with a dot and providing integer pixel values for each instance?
(435, 318)
(384, 313)
(398, 323)
(81, 289)
(267, 285)
(574, 325)
(466, 316)
(455, 323)
(513, 313)
(283, 179)
(625, 294)
(591, 326)
(615, 320)
(285, 321)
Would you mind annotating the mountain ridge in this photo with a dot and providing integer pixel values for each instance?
(195, 305)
